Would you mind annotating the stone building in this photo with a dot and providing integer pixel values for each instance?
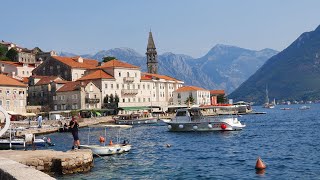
(13, 95)
(133, 87)
(77, 95)
(16, 70)
(42, 89)
(69, 68)
(152, 57)
(200, 96)
(33, 56)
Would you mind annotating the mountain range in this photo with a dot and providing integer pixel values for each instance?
(292, 74)
(223, 67)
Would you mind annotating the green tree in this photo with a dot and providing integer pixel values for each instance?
(111, 98)
(221, 99)
(190, 100)
(12, 54)
(108, 58)
(106, 99)
(3, 51)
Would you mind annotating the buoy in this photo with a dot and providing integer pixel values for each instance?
(260, 165)
(101, 139)
(168, 145)
(180, 126)
(210, 126)
(169, 126)
(195, 127)
(223, 126)
(110, 143)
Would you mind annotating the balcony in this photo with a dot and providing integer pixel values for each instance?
(128, 79)
(129, 91)
(92, 100)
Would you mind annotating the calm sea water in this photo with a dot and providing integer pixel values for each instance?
(287, 140)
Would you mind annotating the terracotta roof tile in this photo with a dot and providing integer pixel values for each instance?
(6, 80)
(72, 62)
(117, 63)
(98, 74)
(47, 79)
(73, 86)
(217, 91)
(190, 88)
(17, 64)
(147, 76)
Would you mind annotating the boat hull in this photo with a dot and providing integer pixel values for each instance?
(203, 126)
(136, 121)
(108, 149)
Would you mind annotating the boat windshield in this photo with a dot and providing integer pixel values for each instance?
(181, 113)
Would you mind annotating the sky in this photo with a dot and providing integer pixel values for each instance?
(190, 27)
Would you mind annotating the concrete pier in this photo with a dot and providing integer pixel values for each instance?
(52, 162)
(50, 126)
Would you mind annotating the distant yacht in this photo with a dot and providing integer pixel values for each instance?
(267, 104)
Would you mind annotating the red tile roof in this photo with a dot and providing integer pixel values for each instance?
(98, 74)
(148, 76)
(73, 86)
(217, 91)
(73, 63)
(17, 64)
(8, 81)
(117, 63)
(47, 79)
(190, 88)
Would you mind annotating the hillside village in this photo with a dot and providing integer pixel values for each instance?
(34, 82)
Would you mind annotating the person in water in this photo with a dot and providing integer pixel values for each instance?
(74, 127)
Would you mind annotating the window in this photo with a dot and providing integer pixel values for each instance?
(55, 107)
(117, 86)
(8, 103)
(106, 86)
(54, 97)
(135, 74)
(148, 86)
(119, 74)
(0, 102)
(111, 86)
(75, 96)
(23, 72)
(91, 88)
(0, 90)
(128, 74)
(123, 100)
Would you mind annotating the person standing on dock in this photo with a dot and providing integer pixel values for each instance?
(74, 126)
(39, 121)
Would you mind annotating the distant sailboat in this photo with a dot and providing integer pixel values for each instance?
(267, 104)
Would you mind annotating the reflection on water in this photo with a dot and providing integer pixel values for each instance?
(287, 140)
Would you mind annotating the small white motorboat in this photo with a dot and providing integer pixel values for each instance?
(304, 107)
(135, 119)
(104, 149)
(193, 120)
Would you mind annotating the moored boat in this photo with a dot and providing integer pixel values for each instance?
(193, 120)
(134, 119)
(104, 149)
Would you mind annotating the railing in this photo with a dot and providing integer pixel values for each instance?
(92, 100)
(128, 79)
(129, 91)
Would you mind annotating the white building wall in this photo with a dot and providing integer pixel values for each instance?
(144, 93)
(77, 73)
(200, 97)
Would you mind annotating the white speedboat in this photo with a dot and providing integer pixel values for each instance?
(193, 120)
(111, 148)
(304, 107)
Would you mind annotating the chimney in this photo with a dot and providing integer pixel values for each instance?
(80, 59)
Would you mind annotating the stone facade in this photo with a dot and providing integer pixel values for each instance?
(152, 57)
(77, 95)
(42, 89)
(69, 68)
(13, 95)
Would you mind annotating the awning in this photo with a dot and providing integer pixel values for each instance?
(12, 113)
(28, 114)
(135, 108)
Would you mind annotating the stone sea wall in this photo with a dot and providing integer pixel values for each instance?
(53, 162)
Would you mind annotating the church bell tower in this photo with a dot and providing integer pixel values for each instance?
(152, 57)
